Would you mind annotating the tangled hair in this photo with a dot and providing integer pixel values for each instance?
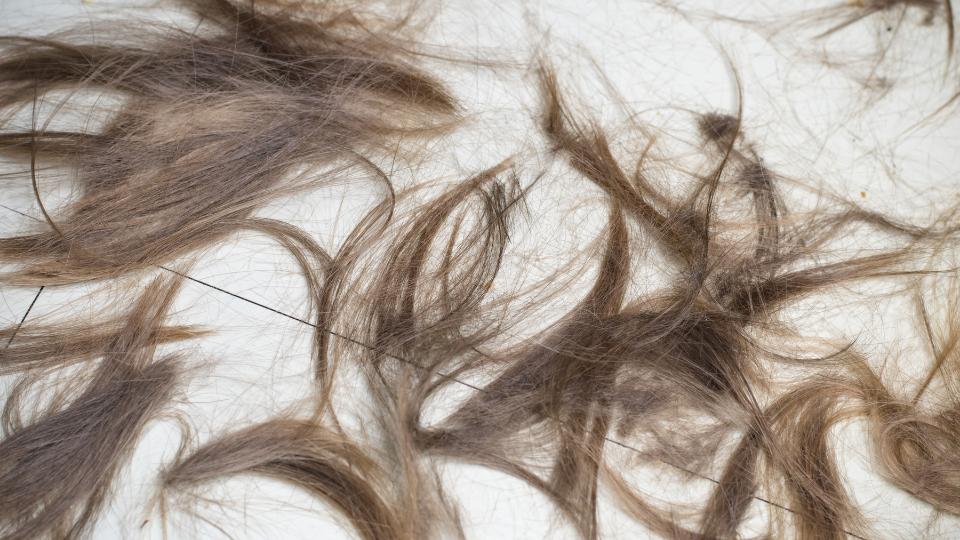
(307, 455)
(213, 125)
(694, 372)
(57, 469)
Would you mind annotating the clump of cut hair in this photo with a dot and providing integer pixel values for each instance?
(307, 455)
(56, 471)
(718, 127)
(213, 124)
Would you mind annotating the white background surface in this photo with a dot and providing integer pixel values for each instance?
(829, 126)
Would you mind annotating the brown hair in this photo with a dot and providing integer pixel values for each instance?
(56, 470)
(213, 125)
(686, 374)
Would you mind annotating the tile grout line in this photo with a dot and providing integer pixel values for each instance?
(404, 360)
(24, 318)
(312, 325)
